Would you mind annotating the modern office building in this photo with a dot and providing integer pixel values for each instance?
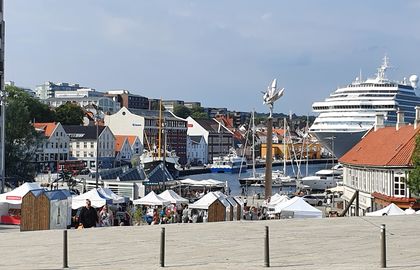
(48, 89)
(128, 100)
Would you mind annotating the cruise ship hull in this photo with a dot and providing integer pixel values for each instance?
(339, 142)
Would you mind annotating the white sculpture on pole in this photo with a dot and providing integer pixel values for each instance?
(272, 95)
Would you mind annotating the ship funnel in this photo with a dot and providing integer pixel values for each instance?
(400, 120)
(379, 121)
(417, 120)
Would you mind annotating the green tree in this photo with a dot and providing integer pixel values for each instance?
(198, 113)
(69, 114)
(21, 138)
(182, 111)
(414, 179)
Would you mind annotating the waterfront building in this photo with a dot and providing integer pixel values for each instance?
(218, 138)
(53, 147)
(123, 150)
(145, 125)
(196, 150)
(2, 95)
(78, 93)
(83, 145)
(170, 104)
(105, 104)
(48, 89)
(214, 112)
(192, 104)
(379, 166)
(128, 100)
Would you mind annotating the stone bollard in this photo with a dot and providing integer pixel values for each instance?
(383, 246)
(266, 248)
(162, 248)
(65, 253)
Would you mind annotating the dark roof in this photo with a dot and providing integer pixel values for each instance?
(153, 114)
(212, 126)
(83, 132)
(196, 139)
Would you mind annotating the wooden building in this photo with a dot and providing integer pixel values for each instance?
(45, 210)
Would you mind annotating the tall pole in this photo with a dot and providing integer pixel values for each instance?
(97, 151)
(268, 158)
(3, 102)
(160, 129)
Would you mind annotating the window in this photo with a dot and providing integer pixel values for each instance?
(85, 144)
(92, 145)
(399, 185)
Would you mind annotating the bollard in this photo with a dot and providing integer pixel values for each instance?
(65, 257)
(383, 246)
(162, 248)
(266, 249)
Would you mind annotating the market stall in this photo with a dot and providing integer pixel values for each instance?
(173, 197)
(10, 203)
(97, 199)
(152, 199)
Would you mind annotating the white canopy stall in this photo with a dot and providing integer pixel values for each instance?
(298, 208)
(107, 193)
(390, 210)
(173, 197)
(96, 198)
(152, 199)
(10, 202)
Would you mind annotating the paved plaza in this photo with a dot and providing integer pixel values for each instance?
(334, 243)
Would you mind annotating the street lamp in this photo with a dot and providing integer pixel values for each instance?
(270, 96)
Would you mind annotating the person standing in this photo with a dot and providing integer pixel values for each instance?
(88, 216)
(106, 217)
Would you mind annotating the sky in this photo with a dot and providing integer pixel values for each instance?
(220, 53)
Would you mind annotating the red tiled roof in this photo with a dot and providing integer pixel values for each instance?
(48, 128)
(392, 199)
(131, 139)
(119, 142)
(384, 147)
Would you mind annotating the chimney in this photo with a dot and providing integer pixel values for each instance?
(400, 120)
(379, 121)
(417, 120)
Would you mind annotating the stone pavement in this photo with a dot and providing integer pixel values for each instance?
(334, 243)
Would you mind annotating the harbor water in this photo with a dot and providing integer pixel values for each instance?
(233, 179)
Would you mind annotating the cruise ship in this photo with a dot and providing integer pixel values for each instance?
(350, 111)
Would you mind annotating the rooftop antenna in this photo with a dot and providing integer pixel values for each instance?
(381, 71)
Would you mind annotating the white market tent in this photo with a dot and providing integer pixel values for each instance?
(390, 210)
(152, 199)
(173, 197)
(107, 193)
(418, 212)
(207, 200)
(202, 183)
(409, 211)
(97, 199)
(299, 207)
(15, 196)
(276, 199)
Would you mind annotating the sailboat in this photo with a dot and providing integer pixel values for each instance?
(258, 179)
(159, 161)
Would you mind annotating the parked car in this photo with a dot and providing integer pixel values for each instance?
(312, 200)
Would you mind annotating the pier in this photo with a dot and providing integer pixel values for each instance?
(330, 243)
(276, 163)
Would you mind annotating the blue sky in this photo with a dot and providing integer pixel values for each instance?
(221, 53)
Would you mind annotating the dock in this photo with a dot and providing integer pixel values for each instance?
(330, 243)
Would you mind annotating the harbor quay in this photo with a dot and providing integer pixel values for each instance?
(332, 243)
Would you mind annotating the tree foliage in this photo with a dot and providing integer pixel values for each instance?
(198, 113)
(21, 139)
(414, 179)
(182, 111)
(69, 114)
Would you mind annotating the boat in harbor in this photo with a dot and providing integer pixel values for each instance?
(323, 179)
(230, 163)
(151, 161)
(258, 179)
(350, 111)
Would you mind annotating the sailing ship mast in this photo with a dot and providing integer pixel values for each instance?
(160, 129)
(253, 144)
(284, 147)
